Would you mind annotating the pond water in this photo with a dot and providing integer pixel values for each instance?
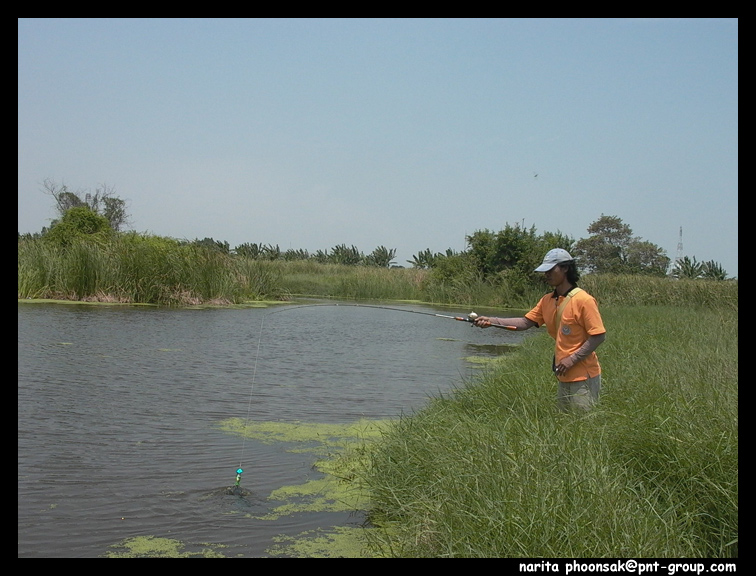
(120, 411)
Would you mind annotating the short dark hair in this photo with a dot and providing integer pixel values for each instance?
(571, 271)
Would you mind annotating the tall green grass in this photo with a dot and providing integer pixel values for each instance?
(36, 269)
(142, 269)
(649, 290)
(156, 270)
(493, 470)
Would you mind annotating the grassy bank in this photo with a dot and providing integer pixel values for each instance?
(494, 471)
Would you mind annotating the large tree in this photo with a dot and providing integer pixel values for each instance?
(612, 248)
(103, 202)
(605, 250)
(646, 258)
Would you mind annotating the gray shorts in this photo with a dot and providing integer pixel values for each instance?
(582, 394)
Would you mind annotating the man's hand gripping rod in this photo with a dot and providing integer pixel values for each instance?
(472, 316)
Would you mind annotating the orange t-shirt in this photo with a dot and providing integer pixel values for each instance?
(580, 319)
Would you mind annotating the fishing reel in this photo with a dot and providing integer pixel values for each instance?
(472, 316)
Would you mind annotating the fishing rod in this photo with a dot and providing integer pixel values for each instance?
(471, 317)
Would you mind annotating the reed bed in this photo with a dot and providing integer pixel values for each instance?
(147, 270)
(493, 470)
(308, 278)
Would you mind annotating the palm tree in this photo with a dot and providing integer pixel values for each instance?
(423, 259)
(687, 268)
(342, 254)
(382, 257)
(713, 271)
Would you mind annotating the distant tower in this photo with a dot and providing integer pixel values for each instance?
(679, 248)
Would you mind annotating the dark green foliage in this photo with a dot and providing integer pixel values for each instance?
(258, 251)
(343, 254)
(216, 245)
(713, 271)
(604, 251)
(292, 254)
(426, 259)
(513, 253)
(320, 256)
(646, 258)
(612, 249)
(687, 268)
(381, 257)
(79, 223)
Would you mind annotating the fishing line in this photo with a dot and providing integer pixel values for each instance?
(469, 318)
(240, 470)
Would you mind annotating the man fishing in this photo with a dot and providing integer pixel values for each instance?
(572, 318)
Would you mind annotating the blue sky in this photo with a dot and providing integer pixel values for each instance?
(404, 133)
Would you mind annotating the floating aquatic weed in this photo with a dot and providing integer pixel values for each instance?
(155, 547)
(340, 542)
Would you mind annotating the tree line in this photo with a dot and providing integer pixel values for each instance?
(511, 253)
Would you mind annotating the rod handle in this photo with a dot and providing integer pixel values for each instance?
(472, 316)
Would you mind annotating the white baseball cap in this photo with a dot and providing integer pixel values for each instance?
(552, 258)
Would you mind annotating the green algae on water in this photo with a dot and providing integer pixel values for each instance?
(154, 547)
(327, 494)
(305, 432)
(343, 446)
(343, 449)
(340, 542)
